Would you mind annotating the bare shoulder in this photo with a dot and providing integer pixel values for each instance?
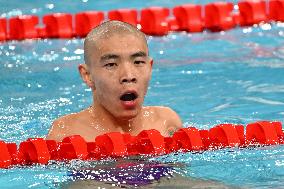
(60, 127)
(169, 114)
(169, 117)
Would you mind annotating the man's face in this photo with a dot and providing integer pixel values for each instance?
(121, 70)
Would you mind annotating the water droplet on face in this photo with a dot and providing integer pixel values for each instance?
(165, 122)
(146, 113)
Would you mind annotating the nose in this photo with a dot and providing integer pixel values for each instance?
(127, 75)
(128, 80)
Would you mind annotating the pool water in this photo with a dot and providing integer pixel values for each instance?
(207, 78)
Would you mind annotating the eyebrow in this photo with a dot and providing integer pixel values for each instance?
(139, 54)
(114, 56)
(109, 56)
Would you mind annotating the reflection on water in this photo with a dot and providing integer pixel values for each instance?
(135, 172)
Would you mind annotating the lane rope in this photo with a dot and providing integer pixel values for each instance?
(158, 21)
(147, 142)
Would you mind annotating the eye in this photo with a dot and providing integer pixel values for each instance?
(139, 62)
(110, 65)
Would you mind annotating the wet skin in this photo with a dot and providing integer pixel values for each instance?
(118, 64)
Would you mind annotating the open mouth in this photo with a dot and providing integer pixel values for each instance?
(129, 96)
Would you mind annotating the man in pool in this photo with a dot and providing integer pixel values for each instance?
(117, 69)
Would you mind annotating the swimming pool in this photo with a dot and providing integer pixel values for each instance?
(208, 78)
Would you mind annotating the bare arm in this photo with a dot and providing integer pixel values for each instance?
(174, 123)
(57, 131)
(171, 121)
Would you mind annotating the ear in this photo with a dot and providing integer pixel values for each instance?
(151, 62)
(85, 75)
(151, 68)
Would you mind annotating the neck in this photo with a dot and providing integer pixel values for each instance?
(112, 123)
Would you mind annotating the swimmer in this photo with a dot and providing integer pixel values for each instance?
(117, 69)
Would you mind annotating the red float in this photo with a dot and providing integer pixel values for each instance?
(204, 134)
(130, 142)
(73, 147)
(23, 27)
(262, 132)
(12, 148)
(241, 133)
(154, 20)
(171, 145)
(34, 150)
(189, 17)
(41, 32)
(224, 135)
(3, 29)
(94, 152)
(38, 150)
(252, 12)
(58, 25)
(112, 144)
(124, 15)
(173, 24)
(150, 142)
(5, 157)
(276, 10)
(218, 16)
(86, 21)
(278, 128)
(237, 18)
(53, 149)
(189, 138)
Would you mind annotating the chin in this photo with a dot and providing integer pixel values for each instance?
(128, 115)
